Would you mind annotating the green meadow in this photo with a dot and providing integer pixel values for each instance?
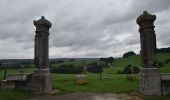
(110, 82)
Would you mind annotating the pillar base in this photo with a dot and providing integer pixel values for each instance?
(41, 81)
(150, 81)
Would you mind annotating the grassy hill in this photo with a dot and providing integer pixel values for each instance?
(120, 63)
(117, 65)
(110, 82)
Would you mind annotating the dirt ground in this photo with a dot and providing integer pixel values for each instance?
(88, 96)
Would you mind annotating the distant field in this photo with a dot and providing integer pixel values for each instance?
(110, 82)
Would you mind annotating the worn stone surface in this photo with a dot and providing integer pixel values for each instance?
(165, 84)
(40, 81)
(17, 77)
(150, 82)
(41, 42)
(4, 84)
(147, 38)
(165, 87)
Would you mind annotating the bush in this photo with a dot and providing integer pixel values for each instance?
(66, 69)
(129, 77)
(109, 59)
(130, 53)
(95, 69)
(167, 61)
(128, 69)
(71, 60)
(119, 72)
(160, 64)
(92, 64)
(104, 64)
(60, 61)
(163, 50)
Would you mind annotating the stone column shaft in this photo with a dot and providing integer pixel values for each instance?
(150, 82)
(41, 81)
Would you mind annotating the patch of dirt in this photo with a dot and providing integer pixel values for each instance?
(88, 96)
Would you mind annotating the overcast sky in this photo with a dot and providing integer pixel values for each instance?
(80, 28)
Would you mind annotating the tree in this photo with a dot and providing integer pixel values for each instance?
(167, 61)
(92, 64)
(109, 59)
(1, 65)
(127, 54)
(95, 69)
(160, 64)
(128, 69)
(71, 60)
(66, 69)
(163, 50)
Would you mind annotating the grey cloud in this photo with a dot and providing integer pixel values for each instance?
(81, 28)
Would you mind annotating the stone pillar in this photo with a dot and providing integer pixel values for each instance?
(41, 78)
(150, 82)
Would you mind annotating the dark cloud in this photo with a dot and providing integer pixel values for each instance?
(81, 28)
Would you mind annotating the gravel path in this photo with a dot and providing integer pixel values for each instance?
(87, 96)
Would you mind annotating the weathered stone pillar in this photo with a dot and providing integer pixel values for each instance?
(150, 82)
(41, 78)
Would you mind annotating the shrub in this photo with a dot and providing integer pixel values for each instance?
(66, 69)
(104, 64)
(60, 61)
(92, 64)
(130, 53)
(129, 77)
(167, 61)
(71, 60)
(109, 59)
(128, 69)
(163, 50)
(95, 69)
(119, 72)
(160, 64)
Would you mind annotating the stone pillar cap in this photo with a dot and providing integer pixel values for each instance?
(145, 17)
(42, 22)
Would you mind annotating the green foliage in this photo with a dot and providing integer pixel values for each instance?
(167, 61)
(95, 69)
(128, 54)
(92, 64)
(163, 50)
(60, 61)
(129, 68)
(103, 64)
(161, 64)
(67, 69)
(119, 63)
(109, 59)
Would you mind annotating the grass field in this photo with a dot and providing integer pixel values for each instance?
(116, 83)
(110, 82)
(14, 94)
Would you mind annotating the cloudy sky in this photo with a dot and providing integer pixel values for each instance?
(80, 28)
